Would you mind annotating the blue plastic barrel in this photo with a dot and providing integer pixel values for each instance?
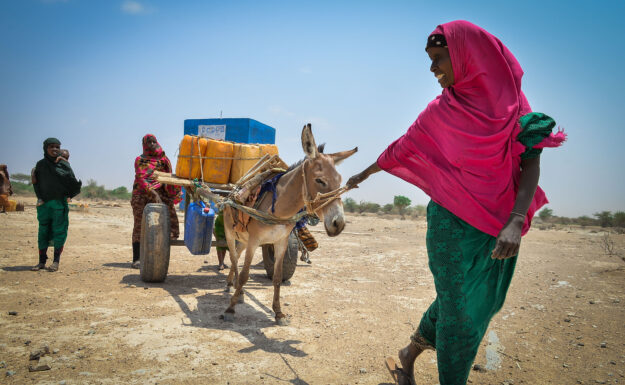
(198, 228)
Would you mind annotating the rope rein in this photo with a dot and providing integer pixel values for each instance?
(312, 205)
(321, 200)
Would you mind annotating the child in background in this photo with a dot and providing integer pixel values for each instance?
(220, 234)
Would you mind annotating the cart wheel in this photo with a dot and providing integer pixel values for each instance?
(154, 242)
(290, 259)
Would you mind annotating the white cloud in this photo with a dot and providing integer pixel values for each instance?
(134, 8)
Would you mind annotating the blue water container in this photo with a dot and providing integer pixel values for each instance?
(198, 228)
(239, 130)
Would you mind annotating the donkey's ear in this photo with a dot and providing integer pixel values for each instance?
(308, 142)
(339, 157)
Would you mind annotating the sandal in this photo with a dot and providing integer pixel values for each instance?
(38, 267)
(396, 372)
(53, 267)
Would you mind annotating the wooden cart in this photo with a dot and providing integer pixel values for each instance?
(155, 242)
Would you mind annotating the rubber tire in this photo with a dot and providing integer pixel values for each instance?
(154, 255)
(290, 259)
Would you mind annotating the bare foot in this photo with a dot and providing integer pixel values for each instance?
(407, 357)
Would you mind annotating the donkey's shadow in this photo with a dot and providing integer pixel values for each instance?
(249, 320)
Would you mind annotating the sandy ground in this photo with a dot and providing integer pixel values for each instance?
(358, 301)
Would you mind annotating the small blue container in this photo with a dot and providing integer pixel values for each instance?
(198, 228)
(239, 130)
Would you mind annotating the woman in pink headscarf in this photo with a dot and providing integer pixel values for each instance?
(147, 190)
(475, 150)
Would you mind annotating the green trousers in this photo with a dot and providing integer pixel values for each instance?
(53, 217)
(470, 289)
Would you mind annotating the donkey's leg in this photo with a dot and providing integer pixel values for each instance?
(252, 245)
(233, 274)
(233, 251)
(279, 248)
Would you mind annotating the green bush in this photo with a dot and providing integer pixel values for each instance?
(20, 188)
(349, 205)
(619, 219)
(545, 214)
(93, 191)
(605, 218)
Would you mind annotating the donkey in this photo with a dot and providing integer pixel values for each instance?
(315, 174)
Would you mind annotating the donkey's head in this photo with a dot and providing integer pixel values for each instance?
(320, 176)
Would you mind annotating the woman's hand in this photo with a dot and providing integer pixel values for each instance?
(355, 180)
(157, 198)
(509, 239)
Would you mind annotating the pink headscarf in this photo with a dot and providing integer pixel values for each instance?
(462, 149)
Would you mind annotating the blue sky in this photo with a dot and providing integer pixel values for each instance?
(100, 74)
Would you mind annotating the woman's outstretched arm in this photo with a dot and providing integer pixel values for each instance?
(355, 180)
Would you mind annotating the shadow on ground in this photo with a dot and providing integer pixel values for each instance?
(249, 320)
(17, 268)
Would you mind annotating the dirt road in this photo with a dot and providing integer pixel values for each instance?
(357, 302)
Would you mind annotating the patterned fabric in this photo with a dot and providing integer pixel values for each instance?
(307, 239)
(535, 128)
(53, 218)
(5, 180)
(145, 165)
(470, 289)
(138, 202)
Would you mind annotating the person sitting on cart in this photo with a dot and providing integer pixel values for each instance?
(147, 190)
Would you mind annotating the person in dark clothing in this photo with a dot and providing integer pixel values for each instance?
(55, 182)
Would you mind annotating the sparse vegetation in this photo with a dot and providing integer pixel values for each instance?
(403, 208)
(94, 191)
(545, 213)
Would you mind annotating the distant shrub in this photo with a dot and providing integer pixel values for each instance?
(545, 214)
(401, 202)
(20, 188)
(94, 191)
(349, 205)
(388, 208)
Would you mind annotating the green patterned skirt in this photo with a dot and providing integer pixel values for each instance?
(470, 289)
